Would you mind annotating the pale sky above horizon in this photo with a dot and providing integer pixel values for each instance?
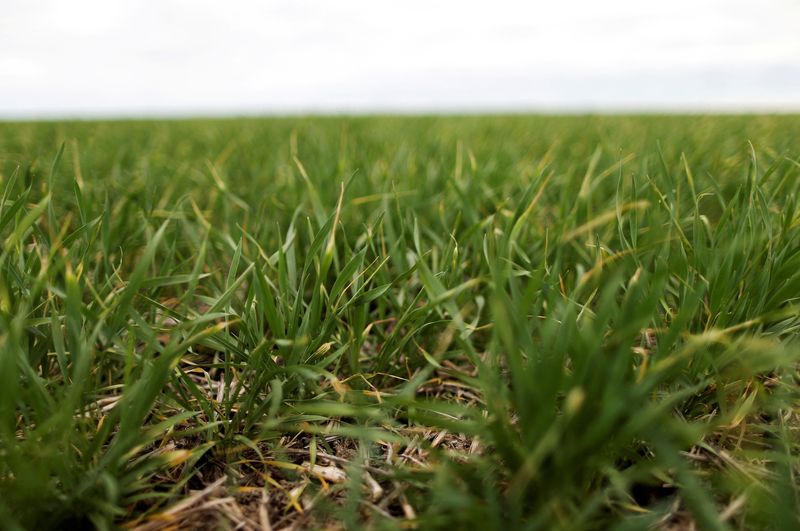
(131, 58)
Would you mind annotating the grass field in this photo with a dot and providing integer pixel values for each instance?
(516, 322)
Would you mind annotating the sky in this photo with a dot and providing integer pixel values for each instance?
(85, 58)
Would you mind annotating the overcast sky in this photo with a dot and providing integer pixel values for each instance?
(135, 57)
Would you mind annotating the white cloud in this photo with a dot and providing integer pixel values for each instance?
(178, 56)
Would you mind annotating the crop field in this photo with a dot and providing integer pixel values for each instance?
(519, 322)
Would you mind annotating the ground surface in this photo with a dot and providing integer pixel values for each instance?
(519, 322)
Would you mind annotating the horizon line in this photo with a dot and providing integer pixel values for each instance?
(390, 111)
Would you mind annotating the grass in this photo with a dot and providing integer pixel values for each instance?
(522, 322)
